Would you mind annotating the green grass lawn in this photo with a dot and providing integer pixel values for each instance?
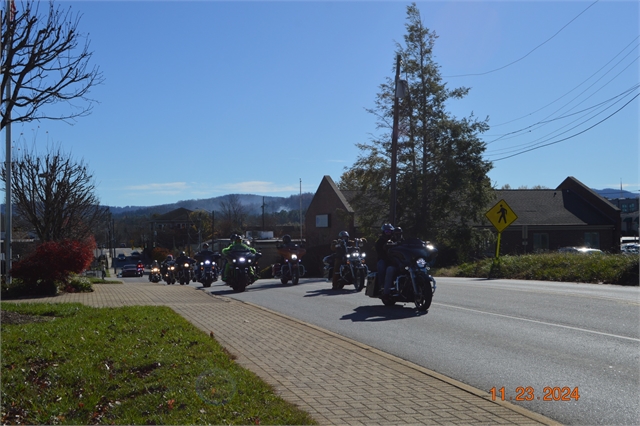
(131, 365)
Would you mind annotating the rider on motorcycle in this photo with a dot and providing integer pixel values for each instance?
(286, 241)
(154, 265)
(165, 264)
(390, 272)
(381, 250)
(182, 259)
(341, 246)
(236, 244)
(202, 255)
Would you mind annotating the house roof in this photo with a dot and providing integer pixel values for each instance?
(552, 207)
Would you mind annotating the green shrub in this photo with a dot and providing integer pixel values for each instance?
(78, 284)
(621, 269)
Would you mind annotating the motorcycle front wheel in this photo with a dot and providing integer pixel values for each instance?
(296, 276)
(241, 284)
(425, 296)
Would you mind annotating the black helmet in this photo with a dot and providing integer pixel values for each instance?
(397, 233)
(205, 246)
(387, 229)
(286, 239)
(182, 253)
(169, 258)
(343, 234)
(234, 237)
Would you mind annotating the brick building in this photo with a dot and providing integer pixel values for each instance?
(548, 219)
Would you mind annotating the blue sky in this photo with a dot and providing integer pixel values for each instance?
(207, 98)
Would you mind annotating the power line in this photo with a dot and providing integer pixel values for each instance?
(563, 116)
(570, 137)
(536, 142)
(583, 82)
(533, 50)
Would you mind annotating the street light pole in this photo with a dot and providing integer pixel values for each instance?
(394, 146)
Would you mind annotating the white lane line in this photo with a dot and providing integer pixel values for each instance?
(539, 322)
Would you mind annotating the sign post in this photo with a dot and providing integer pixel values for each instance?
(500, 217)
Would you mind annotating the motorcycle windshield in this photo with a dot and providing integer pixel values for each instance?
(409, 250)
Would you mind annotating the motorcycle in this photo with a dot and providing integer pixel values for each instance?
(242, 270)
(140, 268)
(291, 269)
(353, 269)
(184, 273)
(154, 275)
(207, 272)
(412, 281)
(169, 275)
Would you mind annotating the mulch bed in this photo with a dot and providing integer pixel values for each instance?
(9, 317)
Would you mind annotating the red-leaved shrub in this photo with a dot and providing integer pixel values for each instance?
(52, 262)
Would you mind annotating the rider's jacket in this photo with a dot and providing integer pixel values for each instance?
(204, 255)
(238, 246)
(181, 260)
(381, 247)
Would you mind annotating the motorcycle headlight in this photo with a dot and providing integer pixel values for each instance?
(294, 257)
(363, 254)
(172, 267)
(348, 256)
(242, 260)
(421, 263)
(206, 262)
(186, 265)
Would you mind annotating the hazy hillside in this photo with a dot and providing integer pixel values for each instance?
(612, 193)
(253, 204)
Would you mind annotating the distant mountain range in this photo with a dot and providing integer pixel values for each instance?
(252, 203)
(612, 193)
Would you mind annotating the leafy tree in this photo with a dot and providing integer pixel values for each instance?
(442, 182)
(52, 263)
(159, 254)
(55, 194)
(47, 59)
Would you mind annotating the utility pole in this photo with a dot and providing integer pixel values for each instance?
(7, 129)
(394, 147)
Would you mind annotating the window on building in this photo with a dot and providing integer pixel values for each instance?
(592, 240)
(540, 242)
(322, 221)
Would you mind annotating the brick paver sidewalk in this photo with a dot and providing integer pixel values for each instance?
(335, 379)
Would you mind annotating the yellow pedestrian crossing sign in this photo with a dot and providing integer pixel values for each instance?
(501, 215)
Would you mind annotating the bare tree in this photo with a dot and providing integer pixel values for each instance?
(233, 213)
(44, 58)
(55, 194)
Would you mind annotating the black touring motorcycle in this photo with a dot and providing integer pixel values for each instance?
(412, 281)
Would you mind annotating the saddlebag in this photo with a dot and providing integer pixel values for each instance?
(371, 290)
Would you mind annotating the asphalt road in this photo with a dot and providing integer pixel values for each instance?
(501, 334)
